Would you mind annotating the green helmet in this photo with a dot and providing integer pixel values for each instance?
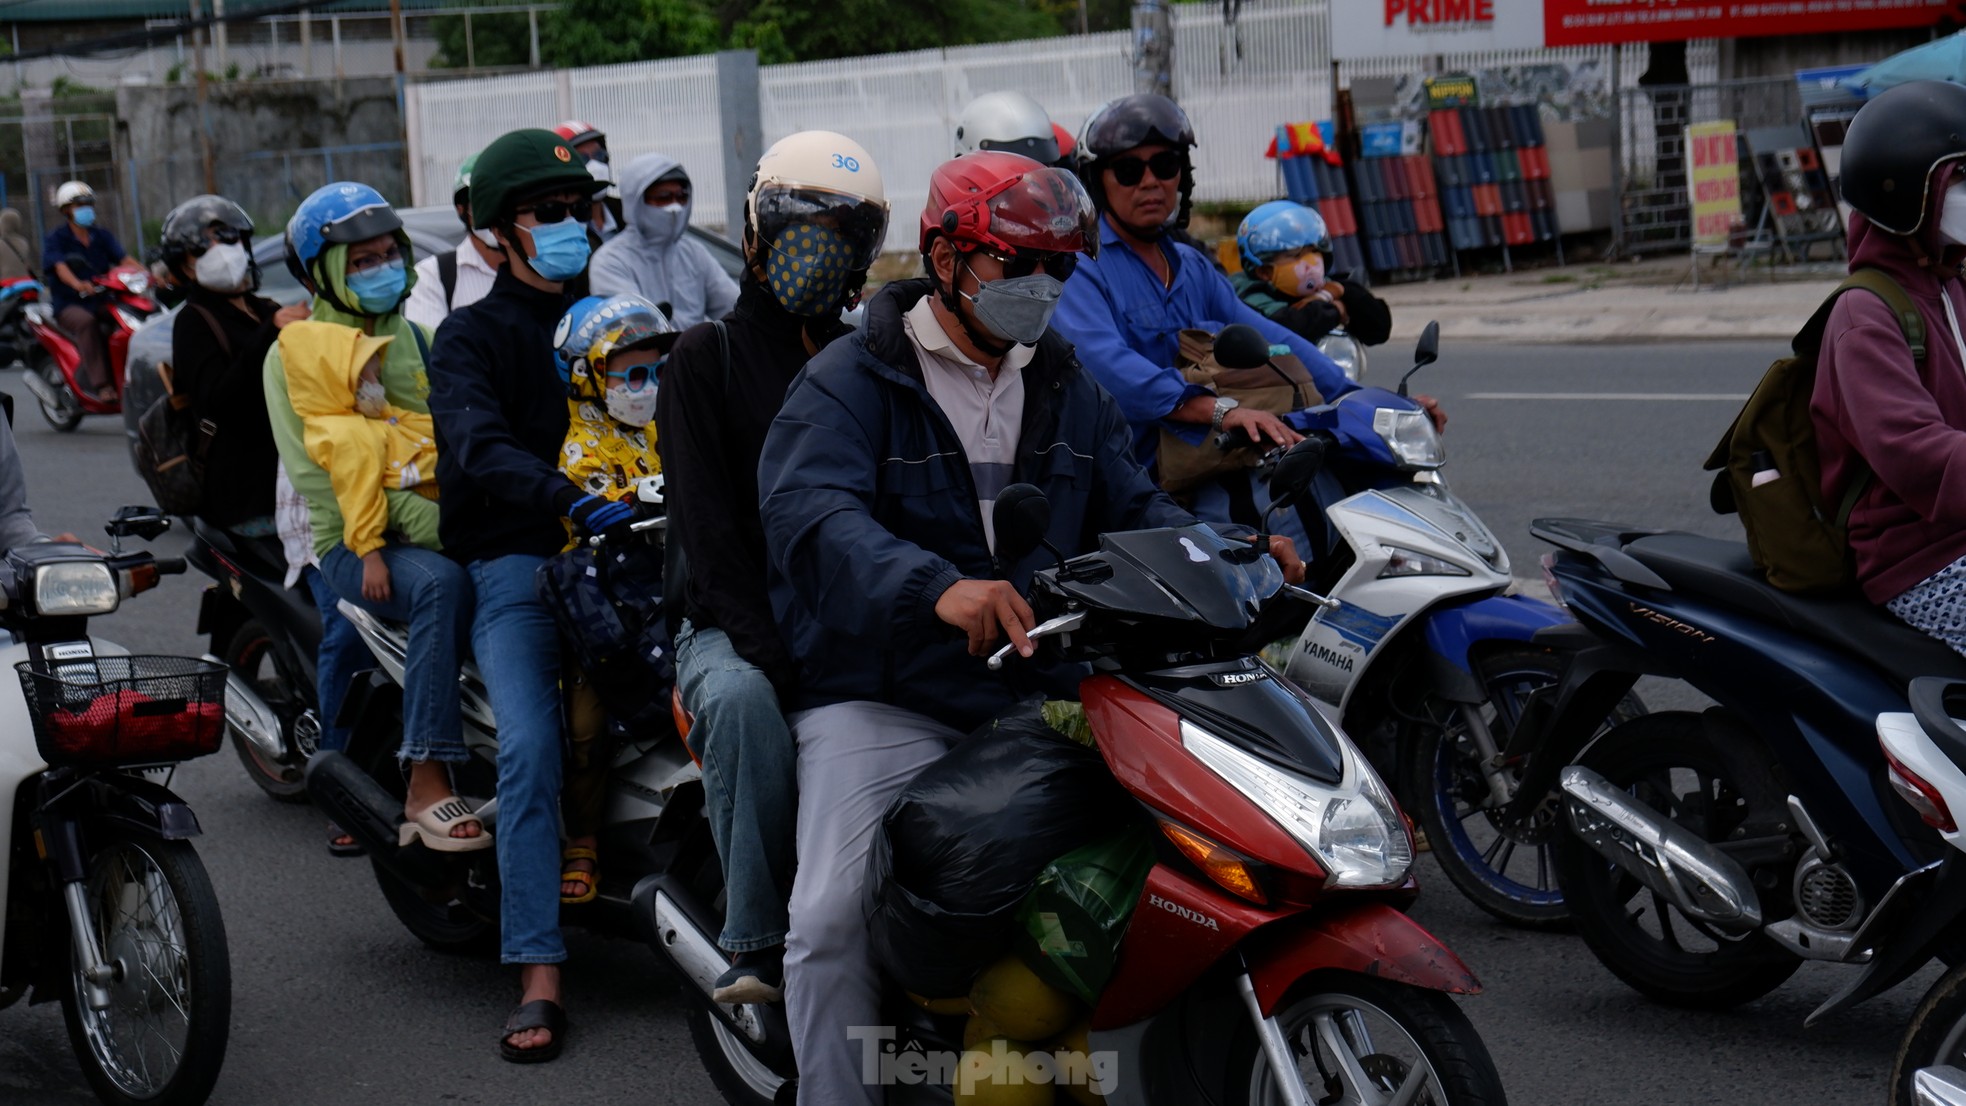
(461, 183)
(519, 165)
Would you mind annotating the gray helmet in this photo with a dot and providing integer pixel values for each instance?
(1894, 148)
(1007, 121)
(185, 232)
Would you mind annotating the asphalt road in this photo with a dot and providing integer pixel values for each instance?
(335, 1005)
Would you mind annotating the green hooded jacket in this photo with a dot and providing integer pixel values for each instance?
(407, 384)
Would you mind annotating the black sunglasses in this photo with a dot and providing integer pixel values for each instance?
(554, 211)
(218, 236)
(1058, 265)
(1128, 170)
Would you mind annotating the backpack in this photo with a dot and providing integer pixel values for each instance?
(608, 605)
(1796, 536)
(172, 440)
(1278, 387)
(447, 276)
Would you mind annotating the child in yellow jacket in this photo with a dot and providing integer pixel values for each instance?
(367, 446)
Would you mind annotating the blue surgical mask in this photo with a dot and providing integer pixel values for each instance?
(559, 249)
(85, 216)
(379, 290)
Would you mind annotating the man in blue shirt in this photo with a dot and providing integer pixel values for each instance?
(74, 252)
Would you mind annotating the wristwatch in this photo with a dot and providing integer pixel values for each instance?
(1223, 405)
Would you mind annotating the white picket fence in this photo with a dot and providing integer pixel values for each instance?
(1236, 84)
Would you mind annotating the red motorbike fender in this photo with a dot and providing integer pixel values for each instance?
(1370, 938)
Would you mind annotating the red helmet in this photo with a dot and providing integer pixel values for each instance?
(573, 132)
(1007, 203)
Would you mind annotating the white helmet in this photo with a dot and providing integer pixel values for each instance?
(819, 173)
(1007, 121)
(74, 191)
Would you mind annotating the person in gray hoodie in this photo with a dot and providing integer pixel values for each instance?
(652, 257)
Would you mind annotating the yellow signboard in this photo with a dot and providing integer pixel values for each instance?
(1713, 157)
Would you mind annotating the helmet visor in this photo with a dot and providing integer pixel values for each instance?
(1134, 121)
(362, 224)
(1045, 211)
(861, 224)
(1044, 149)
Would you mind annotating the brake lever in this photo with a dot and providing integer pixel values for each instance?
(638, 527)
(1061, 624)
(1309, 596)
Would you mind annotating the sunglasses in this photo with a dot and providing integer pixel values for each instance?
(1166, 166)
(637, 377)
(218, 236)
(1058, 265)
(556, 211)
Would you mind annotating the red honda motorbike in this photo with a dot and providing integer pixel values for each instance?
(53, 362)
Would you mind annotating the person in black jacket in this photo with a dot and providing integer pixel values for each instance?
(501, 415)
(218, 347)
(724, 383)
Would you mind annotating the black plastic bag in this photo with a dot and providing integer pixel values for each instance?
(958, 849)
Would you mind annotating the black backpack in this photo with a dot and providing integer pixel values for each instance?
(172, 440)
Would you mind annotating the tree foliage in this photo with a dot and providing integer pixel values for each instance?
(495, 40)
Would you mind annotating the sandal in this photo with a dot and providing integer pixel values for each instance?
(590, 881)
(541, 1013)
(434, 826)
(343, 843)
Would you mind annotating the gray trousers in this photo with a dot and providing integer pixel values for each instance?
(853, 759)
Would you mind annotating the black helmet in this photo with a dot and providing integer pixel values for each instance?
(1895, 146)
(184, 236)
(1131, 121)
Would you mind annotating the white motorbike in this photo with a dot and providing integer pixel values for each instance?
(108, 908)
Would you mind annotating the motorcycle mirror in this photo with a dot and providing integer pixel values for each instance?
(1241, 346)
(1424, 354)
(142, 522)
(1021, 517)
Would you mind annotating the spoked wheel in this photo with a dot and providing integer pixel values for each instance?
(1366, 1042)
(251, 655)
(1510, 872)
(65, 414)
(1936, 1037)
(458, 919)
(161, 1039)
(1713, 787)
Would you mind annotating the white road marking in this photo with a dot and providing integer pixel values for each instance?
(1628, 397)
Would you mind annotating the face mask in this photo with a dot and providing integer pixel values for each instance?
(85, 216)
(559, 249)
(222, 268)
(489, 239)
(378, 291)
(806, 268)
(632, 406)
(1301, 277)
(1952, 215)
(369, 398)
(1017, 309)
(661, 224)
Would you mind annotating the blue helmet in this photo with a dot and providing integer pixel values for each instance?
(598, 327)
(1280, 227)
(339, 213)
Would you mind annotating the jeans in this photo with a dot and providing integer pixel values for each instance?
(749, 786)
(518, 651)
(430, 593)
(342, 654)
(853, 758)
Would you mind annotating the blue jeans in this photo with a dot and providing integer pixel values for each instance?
(518, 651)
(749, 784)
(430, 593)
(342, 654)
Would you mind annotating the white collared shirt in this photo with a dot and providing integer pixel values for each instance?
(986, 411)
(426, 304)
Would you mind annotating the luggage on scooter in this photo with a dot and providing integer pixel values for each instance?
(1070, 925)
(959, 847)
(608, 604)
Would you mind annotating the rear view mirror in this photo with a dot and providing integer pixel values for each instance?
(1241, 346)
(1424, 354)
(140, 522)
(1021, 518)
(1296, 469)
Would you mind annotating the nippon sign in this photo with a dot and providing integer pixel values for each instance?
(1410, 28)
(1596, 22)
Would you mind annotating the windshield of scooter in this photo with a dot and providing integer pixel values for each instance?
(1183, 575)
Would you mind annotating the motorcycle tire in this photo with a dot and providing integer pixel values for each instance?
(1936, 1036)
(1387, 1030)
(1737, 781)
(66, 414)
(250, 653)
(741, 1078)
(119, 1048)
(444, 923)
(1511, 875)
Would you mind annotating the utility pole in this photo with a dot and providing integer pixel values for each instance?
(1084, 24)
(204, 112)
(1153, 47)
(402, 90)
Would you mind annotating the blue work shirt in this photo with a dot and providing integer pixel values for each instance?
(1127, 327)
(100, 255)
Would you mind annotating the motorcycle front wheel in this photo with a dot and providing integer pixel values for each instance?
(1364, 1042)
(1936, 1036)
(66, 413)
(161, 1040)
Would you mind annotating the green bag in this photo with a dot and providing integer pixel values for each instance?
(1070, 926)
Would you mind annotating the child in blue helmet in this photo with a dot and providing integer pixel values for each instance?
(1286, 257)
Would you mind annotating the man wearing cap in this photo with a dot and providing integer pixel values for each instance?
(501, 417)
(654, 257)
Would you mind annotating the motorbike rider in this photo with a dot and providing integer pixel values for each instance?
(456, 278)
(218, 354)
(1875, 407)
(1007, 120)
(811, 227)
(1286, 259)
(654, 257)
(592, 146)
(501, 422)
(957, 381)
(74, 252)
(346, 245)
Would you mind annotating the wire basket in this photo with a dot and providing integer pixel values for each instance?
(104, 711)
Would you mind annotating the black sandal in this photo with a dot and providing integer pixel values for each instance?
(354, 847)
(540, 1013)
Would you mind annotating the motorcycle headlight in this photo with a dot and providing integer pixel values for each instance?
(1354, 829)
(1345, 352)
(1405, 562)
(75, 588)
(129, 318)
(137, 281)
(1411, 436)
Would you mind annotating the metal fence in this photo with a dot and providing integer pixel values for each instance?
(1652, 174)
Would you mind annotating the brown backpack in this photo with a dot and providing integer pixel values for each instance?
(1795, 535)
(1281, 386)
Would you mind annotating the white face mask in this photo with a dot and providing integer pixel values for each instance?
(1952, 214)
(370, 398)
(222, 268)
(488, 238)
(632, 406)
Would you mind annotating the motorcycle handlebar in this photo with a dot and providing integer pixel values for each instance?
(171, 566)
(642, 526)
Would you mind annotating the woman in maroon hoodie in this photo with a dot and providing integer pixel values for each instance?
(1876, 405)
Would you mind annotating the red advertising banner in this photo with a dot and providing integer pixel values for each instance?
(1593, 22)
